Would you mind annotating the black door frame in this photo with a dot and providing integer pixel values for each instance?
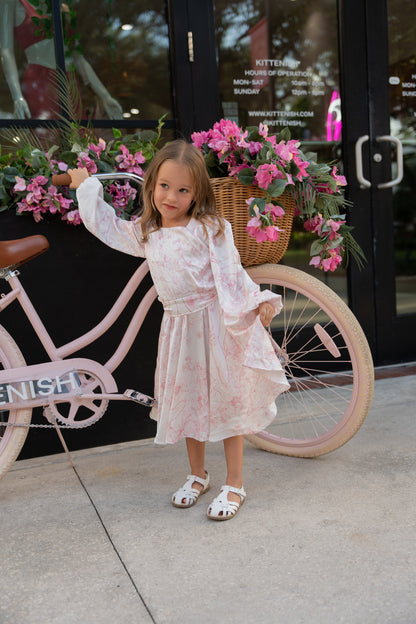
(194, 67)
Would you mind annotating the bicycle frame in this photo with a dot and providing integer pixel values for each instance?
(41, 383)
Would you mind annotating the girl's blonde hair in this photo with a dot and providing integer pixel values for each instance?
(203, 205)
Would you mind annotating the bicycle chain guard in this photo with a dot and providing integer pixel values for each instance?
(51, 383)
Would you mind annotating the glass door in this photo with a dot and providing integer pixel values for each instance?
(379, 116)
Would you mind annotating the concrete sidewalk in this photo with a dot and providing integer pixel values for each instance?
(321, 541)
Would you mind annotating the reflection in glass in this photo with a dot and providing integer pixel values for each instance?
(34, 95)
(402, 79)
(126, 45)
(278, 62)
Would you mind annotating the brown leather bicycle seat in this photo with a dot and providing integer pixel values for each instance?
(16, 252)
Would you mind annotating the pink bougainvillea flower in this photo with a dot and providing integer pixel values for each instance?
(255, 222)
(226, 135)
(341, 180)
(254, 147)
(334, 227)
(121, 194)
(64, 202)
(130, 162)
(200, 138)
(72, 217)
(265, 174)
(84, 160)
(315, 261)
(20, 184)
(314, 224)
(254, 229)
(263, 130)
(39, 180)
(272, 232)
(302, 165)
(258, 234)
(332, 260)
(275, 211)
(331, 263)
(287, 150)
(97, 149)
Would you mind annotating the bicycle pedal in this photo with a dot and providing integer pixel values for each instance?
(138, 397)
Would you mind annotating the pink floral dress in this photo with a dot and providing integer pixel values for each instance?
(217, 374)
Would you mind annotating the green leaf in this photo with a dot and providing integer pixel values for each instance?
(11, 171)
(104, 167)
(276, 188)
(116, 133)
(4, 196)
(335, 243)
(285, 135)
(246, 176)
(210, 159)
(260, 203)
(148, 136)
(69, 157)
(316, 248)
(253, 134)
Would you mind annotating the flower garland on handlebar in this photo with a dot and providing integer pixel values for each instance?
(272, 162)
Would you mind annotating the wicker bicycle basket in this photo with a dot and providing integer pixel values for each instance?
(230, 197)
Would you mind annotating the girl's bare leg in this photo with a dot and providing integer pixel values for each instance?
(234, 449)
(196, 455)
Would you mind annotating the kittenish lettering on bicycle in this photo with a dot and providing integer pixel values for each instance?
(31, 389)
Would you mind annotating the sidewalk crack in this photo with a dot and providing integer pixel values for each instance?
(114, 546)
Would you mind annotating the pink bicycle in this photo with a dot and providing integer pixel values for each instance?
(319, 342)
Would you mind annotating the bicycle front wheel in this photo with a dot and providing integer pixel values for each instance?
(327, 361)
(11, 438)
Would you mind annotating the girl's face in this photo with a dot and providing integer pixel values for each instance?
(173, 194)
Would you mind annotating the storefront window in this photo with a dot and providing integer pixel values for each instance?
(118, 51)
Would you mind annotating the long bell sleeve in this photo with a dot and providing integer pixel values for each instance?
(238, 295)
(239, 298)
(100, 219)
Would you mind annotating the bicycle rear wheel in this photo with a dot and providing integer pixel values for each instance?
(11, 438)
(327, 361)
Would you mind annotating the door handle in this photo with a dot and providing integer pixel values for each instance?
(364, 183)
(399, 158)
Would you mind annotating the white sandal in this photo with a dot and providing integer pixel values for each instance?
(189, 494)
(223, 509)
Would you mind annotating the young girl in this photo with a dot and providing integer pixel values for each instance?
(217, 375)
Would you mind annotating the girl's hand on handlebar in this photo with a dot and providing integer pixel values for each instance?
(78, 176)
(266, 311)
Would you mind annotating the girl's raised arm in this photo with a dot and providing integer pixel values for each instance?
(100, 219)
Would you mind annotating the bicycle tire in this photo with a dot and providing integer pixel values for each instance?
(330, 393)
(11, 438)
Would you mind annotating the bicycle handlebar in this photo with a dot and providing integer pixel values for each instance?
(61, 179)
(64, 179)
